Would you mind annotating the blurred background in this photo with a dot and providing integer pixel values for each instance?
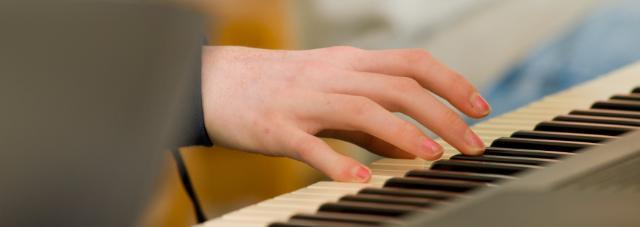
(514, 51)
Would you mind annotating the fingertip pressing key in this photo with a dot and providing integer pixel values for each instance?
(431, 149)
(475, 146)
(361, 174)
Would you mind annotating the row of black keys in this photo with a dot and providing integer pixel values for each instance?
(421, 190)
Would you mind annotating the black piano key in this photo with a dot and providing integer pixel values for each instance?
(433, 184)
(441, 174)
(316, 223)
(584, 128)
(347, 218)
(286, 224)
(404, 192)
(500, 159)
(525, 153)
(617, 105)
(480, 167)
(636, 90)
(539, 144)
(389, 199)
(367, 208)
(630, 97)
(607, 113)
(599, 120)
(589, 138)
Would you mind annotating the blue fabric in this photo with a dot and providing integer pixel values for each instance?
(606, 39)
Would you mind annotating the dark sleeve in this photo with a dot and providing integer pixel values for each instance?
(199, 135)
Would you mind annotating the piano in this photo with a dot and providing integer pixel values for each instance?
(569, 159)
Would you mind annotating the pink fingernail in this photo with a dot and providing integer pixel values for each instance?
(363, 174)
(432, 148)
(479, 104)
(476, 146)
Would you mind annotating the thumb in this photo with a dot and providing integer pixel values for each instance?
(315, 152)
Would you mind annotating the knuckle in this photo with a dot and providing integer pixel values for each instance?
(315, 69)
(303, 147)
(457, 80)
(308, 69)
(309, 66)
(408, 89)
(461, 84)
(452, 119)
(359, 106)
(419, 56)
(406, 84)
(405, 129)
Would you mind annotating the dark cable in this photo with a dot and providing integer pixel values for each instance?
(186, 182)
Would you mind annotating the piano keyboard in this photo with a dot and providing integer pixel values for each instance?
(543, 132)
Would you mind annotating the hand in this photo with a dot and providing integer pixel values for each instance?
(276, 102)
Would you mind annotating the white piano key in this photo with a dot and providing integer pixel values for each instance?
(255, 207)
(226, 223)
(300, 195)
(260, 212)
(388, 173)
(403, 162)
(512, 121)
(400, 168)
(336, 191)
(293, 206)
(377, 181)
(500, 127)
(287, 203)
(485, 132)
(257, 218)
(392, 161)
(333, 184)
(528, 119)
(301, 198)
(491, 130)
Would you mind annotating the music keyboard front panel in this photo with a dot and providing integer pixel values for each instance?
(307, 200)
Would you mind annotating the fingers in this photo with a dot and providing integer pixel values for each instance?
(357, 113)
(406, 95)
(319, 155)
(431, 74)
(421, 66)
(368, 142)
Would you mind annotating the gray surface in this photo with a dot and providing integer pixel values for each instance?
(556, 208)
(90, 94)
(481, 39)
(541, 198)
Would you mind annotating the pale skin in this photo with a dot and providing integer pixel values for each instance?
(280, 103)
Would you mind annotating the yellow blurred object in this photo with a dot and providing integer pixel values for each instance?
(169, 205)
(252, 23)
(227, 179)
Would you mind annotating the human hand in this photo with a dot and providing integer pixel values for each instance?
(276, 102)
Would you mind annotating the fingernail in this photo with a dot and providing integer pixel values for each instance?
(362, 174)
(479, 104)
(433, 149)
(476, 146)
